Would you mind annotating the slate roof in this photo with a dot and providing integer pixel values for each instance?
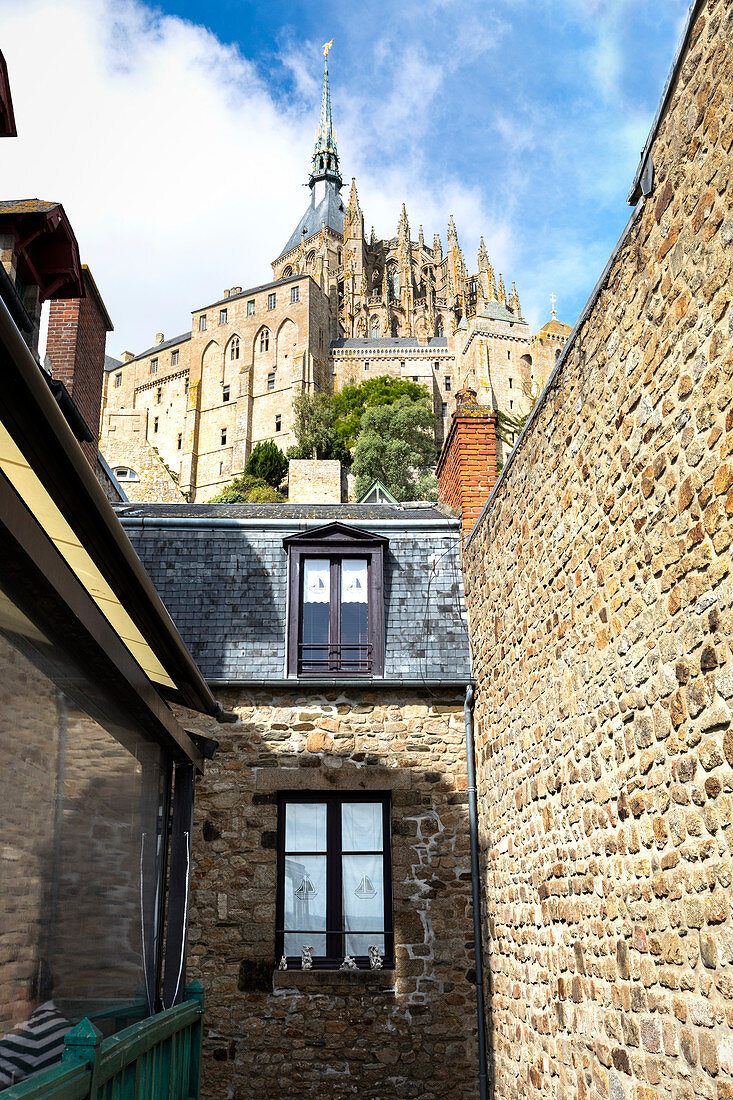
(156, 347)
(389, 342)
(329, 210)
(224, 584)
(110, 363)
(26, 206)
(325, 513)
(495, 311)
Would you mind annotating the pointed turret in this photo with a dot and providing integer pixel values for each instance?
(483, 256)
(514, 305)
(452, 232)
(325, 165)
(421, 238)
(492, 285)
(437, 249)
(354, 220)
(501, 295)
(403, 229)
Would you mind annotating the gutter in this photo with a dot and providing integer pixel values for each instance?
(645, 168)
(38, 426)
(280, 524)
(333, 682)
(483, 1079)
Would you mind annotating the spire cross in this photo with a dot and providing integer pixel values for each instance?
(553, 300)
(326, 48)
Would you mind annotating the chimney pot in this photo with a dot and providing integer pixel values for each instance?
(127, 356)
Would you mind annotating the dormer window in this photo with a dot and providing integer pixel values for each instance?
(336, 625)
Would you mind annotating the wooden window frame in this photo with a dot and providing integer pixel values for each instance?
(335, 542)
(334, 899)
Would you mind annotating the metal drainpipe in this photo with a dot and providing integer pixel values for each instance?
(476, 893)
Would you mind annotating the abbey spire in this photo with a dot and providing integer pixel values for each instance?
(325, 163)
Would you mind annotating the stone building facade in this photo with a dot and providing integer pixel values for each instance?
(408, 1029)
(601, 610)
(342, 306)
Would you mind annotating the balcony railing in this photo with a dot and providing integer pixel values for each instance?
(322, 658)
(157, 1059)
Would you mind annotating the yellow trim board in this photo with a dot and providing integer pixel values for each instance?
(39, 502)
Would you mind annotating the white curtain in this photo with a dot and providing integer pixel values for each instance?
(354, 580)
(317, 581)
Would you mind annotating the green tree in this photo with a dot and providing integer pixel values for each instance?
(268, 463)
(315, 428)
(396, 443)
(248, 490)
(353, 400)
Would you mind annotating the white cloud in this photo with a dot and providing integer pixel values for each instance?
(180, 171)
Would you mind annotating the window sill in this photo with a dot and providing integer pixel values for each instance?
(337, 980)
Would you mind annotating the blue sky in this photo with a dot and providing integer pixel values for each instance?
(183, 171)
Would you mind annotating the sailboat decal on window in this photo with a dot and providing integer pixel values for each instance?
(365, 889)
(306, 890)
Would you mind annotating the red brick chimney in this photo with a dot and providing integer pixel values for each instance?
(467, 465)
(77, 333)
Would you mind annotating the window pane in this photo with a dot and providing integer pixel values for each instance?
(305, 896)
(361, 827)
(305, 827)
(355, 652)
(363, 899)
(294, 942)
(316, 613)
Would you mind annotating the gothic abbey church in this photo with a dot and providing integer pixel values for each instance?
(180, 419)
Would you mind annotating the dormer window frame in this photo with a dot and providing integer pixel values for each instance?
(334, 543)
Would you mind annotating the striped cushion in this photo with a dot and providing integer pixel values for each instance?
(33, 1046)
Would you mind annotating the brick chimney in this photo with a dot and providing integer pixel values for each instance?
(467, 465)
(77, 333)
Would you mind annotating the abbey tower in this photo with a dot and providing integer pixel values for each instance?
(180, 419)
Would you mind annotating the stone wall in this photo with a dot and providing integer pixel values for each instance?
(601, 604)
(315, 481)
(408, 1032)
(124, 444)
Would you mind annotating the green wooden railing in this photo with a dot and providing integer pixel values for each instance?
(156, 1059)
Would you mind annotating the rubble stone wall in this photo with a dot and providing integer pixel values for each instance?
(601, 603)
(408, 1032)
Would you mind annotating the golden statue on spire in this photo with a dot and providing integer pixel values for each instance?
(326, 48)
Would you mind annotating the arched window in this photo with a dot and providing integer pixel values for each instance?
(265, 340)
(375, 328)
(310, 258)
(338, 255)
(287, 272)
(394, 327)
(557, 354)
(394, 282)
(439, 326)
(234, 348)
(124, 473)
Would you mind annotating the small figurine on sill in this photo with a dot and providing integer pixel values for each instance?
(348, 964)
(283, 964)
(306, 958)
(375, 958)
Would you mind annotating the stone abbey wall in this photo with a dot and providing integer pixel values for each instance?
(601, 604)
(408, 1032)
